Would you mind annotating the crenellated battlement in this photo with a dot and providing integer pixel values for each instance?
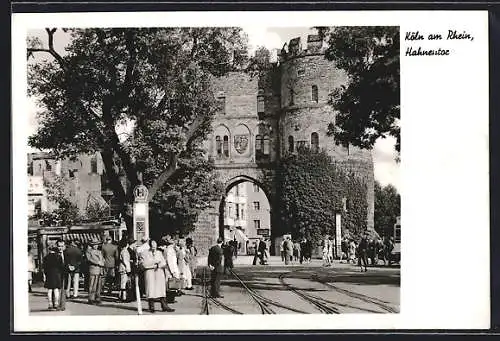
(295, 49)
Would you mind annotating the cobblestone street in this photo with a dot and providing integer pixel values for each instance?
(269, 289)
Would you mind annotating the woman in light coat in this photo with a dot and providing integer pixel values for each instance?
(183, 260)
(331, 245)
(326, 245)
(153, 264)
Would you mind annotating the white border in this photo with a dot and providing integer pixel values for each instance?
(445, 193)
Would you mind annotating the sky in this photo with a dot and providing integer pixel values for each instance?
(387, 170)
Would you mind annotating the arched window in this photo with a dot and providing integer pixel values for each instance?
(258, 144)
(314, 93)
(226, 146)
(266, 146)
(218, 145)
(260, 104)
(315, 142)
(290, 144)
(292, 102)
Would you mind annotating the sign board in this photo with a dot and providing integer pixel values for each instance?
(263, 232)
(141, 220)
(141, 193)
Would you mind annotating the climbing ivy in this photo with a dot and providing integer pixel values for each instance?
(312, 189)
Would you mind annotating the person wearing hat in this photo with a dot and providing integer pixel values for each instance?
(111, 257)
(125, 267)
(95, 261)
(215, 255)
(53, 271)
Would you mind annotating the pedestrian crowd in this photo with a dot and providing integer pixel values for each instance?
(162, 269)
(364, 251)
(299, 250)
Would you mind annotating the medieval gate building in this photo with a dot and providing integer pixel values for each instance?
(266, 116)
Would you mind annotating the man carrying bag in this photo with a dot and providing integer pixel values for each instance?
(171, 270)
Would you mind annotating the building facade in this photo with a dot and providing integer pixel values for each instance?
(268, 115)
(84, 181)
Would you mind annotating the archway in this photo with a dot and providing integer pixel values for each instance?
(245, 214)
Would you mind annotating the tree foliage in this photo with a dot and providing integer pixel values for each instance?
(156, 81)
(312, 190)
(369, 105)
(387, 208)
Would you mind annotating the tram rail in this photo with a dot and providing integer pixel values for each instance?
(205, 307)
(322, 305)
(264, 302)
(367, 299)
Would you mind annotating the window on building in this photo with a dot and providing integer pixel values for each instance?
(242, 214)
(237, 190)
(256, 188)
(226, 146)
(301, 146)
(221, 104)
(237, 211)
(314, 93)
(229, 210)
(256, 224)
(256, 206)
(292, 102)
(301, 72)
(48, 166)
(290, 144)
(93, 164)
(314, 142)
(266, 145)
(260, 104)
(218, 145)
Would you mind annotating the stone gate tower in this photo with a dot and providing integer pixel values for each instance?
(263, 118)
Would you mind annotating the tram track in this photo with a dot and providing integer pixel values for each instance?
(205, 306)
(321, 304)
(265, 303)
(366, 299)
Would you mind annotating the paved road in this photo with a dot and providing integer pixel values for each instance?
(270, 289)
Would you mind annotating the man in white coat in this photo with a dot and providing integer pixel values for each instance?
(171, 269)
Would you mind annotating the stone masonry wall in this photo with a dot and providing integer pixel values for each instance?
(298, 71)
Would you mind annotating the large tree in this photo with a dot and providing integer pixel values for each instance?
(368, 107)
(154, 80)
(312, 190)
(387, 208)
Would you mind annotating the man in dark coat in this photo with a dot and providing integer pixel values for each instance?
(72, 261)
(228, 250)
(363, 253)
(53, 273)
(215, 255)
(262, 250)
(111, 257)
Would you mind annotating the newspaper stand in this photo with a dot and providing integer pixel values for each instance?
(141, 228)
